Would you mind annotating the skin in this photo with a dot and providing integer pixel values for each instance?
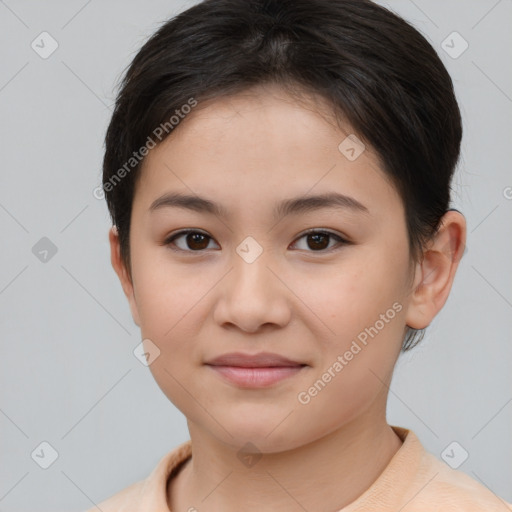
(248, 152)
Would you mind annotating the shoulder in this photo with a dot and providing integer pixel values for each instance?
(151, 492)
(453, 489)
(417, 481)
(118, 502)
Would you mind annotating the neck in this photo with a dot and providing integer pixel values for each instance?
(339, 467)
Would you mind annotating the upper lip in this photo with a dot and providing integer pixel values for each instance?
(261, 360)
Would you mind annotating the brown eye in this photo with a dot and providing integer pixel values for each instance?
(194, 241)
(317, 240)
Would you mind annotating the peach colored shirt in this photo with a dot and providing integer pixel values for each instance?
(413, 481)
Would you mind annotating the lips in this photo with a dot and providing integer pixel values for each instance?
(254, 370)
(261, 360)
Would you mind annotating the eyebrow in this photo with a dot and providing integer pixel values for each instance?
(286, 207)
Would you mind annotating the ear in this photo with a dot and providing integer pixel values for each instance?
(122, 272)
(435, 274)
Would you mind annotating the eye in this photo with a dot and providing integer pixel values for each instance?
(318, 240)
(194, 241)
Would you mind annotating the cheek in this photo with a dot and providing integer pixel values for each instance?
(361, 303)
(355, 369)
(346, 396)
(352, 296)
(167, 294)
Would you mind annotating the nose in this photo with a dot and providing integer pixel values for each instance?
(252, 296)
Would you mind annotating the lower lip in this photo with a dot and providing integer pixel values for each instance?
(256, 377)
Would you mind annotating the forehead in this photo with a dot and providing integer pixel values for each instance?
(263, 111)
(264, 144)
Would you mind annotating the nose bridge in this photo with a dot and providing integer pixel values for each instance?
(251, 274)
(251, 295)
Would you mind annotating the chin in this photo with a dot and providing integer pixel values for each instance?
(267, 432)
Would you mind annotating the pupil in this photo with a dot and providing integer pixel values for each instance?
(192, 238)
(315, 241)
(315, 238)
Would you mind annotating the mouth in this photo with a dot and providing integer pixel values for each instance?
(255, 371)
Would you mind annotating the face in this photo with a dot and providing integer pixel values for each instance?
(250, 278)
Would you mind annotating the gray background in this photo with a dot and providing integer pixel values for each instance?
(67, 372)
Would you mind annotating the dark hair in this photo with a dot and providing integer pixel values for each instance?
(376, 71)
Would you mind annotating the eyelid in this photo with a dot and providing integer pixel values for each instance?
(342, 240)
(170, 239)
(322, 230)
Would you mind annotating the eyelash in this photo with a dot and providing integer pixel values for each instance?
(341, 241)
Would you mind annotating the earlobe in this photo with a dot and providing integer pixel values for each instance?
(122, 272)
(436, 272)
